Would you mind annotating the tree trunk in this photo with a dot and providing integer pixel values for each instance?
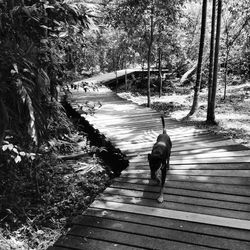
(148, 87)
(211, 62)
(216, 59)
(116, 81)
(225, 74)
(149, 53)
(188, 74)
(160, 72)
(199, 67)
(126, 79)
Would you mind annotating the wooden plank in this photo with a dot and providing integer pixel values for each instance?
(149, 194)
(178, 204)
(244, 181)
(80, 242)
(203, 172)
(198, 186)
(172, 214)
(121, 186)
(189, 154)
(221, 166)
(214, 154)
(162, 232)
(131, 239)
(200, 157)
(145, 135)
(120, 128)
(141, 144)
(180, 225)
(239, 159)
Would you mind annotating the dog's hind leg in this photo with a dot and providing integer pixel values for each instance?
(160, 199)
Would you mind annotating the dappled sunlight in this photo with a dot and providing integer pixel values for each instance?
(234, 117)
(123, 107)
(195, 157)
(138, 158)
(212, 154)
(238, 125)
(201, 151)
(188, 177)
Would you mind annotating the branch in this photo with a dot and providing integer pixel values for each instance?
(239, 31)
(72, 156)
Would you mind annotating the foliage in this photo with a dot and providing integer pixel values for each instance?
(133, 17)
(40, 197)
(40, 41)
(236, 22)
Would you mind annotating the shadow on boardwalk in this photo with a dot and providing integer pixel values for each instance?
(207, 193)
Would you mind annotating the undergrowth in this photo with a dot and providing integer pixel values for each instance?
(40, 193)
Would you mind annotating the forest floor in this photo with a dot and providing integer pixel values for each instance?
(39, 198)
(232, 114)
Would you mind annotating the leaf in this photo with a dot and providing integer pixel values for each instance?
(46, 6)
(32, 156)
(15, 150)
(27, 100)
(63, 34)
(53, 35)
(22, 153)
(13, 72)
(45, 27)
(57, 23)
(5, 147)
(15, 67)
(18, 159)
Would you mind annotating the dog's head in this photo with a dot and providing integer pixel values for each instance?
(154, 164)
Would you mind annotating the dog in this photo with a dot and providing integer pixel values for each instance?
(159, 159)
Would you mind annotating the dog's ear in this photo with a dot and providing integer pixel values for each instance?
(149, 157)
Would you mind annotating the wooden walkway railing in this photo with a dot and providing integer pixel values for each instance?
(207, 192)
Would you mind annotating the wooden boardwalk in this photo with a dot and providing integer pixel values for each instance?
(207, 192)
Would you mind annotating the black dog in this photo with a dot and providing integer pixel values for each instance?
(159, 159)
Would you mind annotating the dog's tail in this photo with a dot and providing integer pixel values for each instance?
(163, 125)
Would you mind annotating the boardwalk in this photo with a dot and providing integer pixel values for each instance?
(207, 192)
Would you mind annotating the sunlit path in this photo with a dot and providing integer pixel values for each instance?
(207, 192)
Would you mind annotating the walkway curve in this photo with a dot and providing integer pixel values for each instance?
(207, 192)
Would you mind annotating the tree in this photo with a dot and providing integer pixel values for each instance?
(140, 19)
(199, 66)
(211, 62)
(211, 110)
(236, 19)
(35, 37)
